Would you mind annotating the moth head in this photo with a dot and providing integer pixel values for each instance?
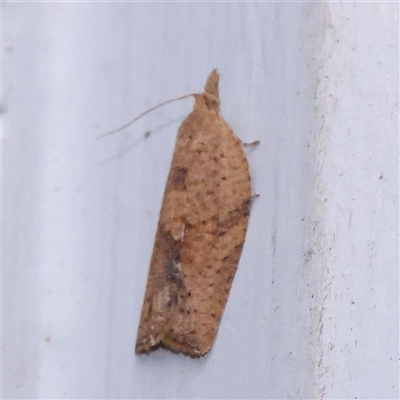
(211, 90)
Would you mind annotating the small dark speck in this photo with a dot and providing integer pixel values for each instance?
(147, 134)
(380, 176)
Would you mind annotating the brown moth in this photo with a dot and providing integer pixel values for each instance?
(200, 235)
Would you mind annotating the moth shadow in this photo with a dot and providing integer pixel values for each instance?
(145, 136)
(163, 352)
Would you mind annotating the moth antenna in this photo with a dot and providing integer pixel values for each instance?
(142, 115)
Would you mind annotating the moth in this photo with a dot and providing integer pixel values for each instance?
(200, 235)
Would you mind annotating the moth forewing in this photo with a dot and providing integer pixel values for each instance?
(200, 234)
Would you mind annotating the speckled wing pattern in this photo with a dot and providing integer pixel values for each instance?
(200, 235)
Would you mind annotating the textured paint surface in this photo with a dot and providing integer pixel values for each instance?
(200, 235)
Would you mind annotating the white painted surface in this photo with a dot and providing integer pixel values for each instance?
(313, 311)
